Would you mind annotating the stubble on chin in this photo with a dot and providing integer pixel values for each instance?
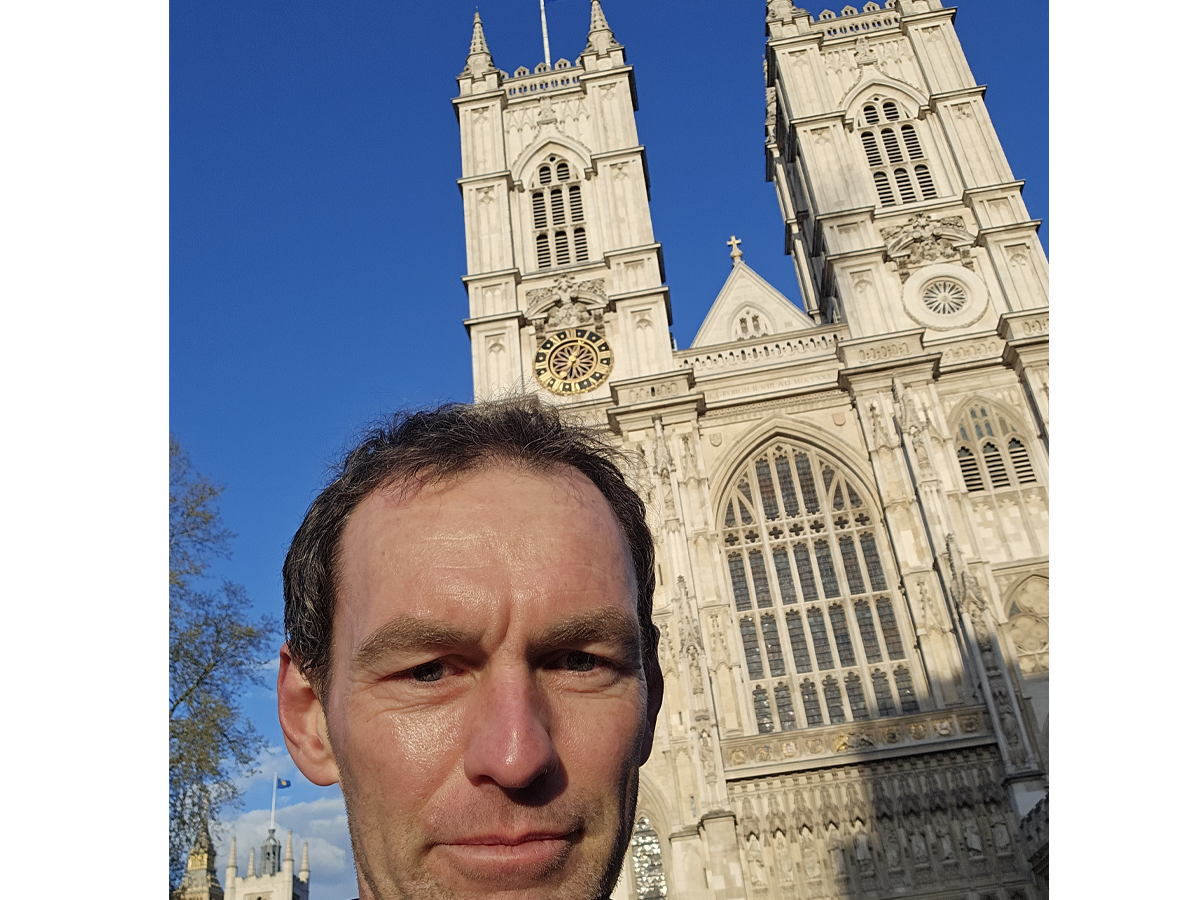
(593, 876)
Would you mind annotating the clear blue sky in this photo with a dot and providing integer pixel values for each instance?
(317, 240)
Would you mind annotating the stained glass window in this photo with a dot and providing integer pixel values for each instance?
(649, 881)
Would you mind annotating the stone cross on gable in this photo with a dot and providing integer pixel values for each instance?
(736, 253)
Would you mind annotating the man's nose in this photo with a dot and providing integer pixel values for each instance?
(510, 743)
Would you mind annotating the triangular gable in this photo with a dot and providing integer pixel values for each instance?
(745, 296)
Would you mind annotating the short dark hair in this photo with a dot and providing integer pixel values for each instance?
(429, 446)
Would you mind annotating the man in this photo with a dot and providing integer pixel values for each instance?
(470, 654)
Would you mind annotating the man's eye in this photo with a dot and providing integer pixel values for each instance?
(430, 671)
(578, 661)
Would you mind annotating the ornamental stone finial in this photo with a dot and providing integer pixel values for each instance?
(736, 253)
(600, 35)
(479, 58)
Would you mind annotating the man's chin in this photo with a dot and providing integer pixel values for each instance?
(549, 869)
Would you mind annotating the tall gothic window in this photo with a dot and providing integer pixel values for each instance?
(811, 579)
(991, 452)
(649, 881)
(559, 230)
(899, 166)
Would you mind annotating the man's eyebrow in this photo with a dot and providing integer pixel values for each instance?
(605, 625)
(406, 633)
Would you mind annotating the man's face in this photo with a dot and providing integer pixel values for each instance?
(488, 709)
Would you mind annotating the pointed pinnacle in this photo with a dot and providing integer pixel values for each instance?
(478, 41)
(287, 855)
(599, 23)
(233, 852)
(304, 858)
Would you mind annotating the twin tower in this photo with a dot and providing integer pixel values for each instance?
(849, 497)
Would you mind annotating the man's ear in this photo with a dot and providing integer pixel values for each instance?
(302, 718)
(654, 698)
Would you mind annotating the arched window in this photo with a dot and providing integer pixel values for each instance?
(988, 438)
(649, 881)
(812, 588)
(902, 148)
(558, 216)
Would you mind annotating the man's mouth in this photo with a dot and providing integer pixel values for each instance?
(487, 856)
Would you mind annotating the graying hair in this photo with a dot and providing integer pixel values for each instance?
(428, 446)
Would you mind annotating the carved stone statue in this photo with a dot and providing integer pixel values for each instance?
(783, 859)
(717, 632)
(693, 656)
(945, 840)
(972, 837)
(706, 756)
(1000, 832)
(754, 855)
(837, 858)
(891, 848)
(920, 849)
(862, 848)
(812, 865)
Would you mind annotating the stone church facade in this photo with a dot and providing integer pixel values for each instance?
(850, 499)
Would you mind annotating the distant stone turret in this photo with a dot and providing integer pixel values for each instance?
(273, 878)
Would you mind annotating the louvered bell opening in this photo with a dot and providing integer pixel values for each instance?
(907, 194)
(884, 187)
(925, 180)
(562, 249)
(891, 145)
(970, 470)
(911, 144)
(576, 199)
(564, 172)
(874, 157)
(1020, 460)
(557, 211)
(994, 463)
(539, 210)
(544, 175)
(581, 250)
(890, 111)
(543, 251)
(871, 114)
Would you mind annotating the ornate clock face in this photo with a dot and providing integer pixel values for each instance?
(572, 361)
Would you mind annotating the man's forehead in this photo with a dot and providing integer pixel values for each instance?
(497, 504)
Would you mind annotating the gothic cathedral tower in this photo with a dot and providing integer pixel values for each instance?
(563, 273)
(849, 497)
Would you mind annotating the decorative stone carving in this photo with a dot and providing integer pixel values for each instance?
(783, 859)
(923, 240)
(706, 756)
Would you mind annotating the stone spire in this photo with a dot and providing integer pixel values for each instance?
(232, 864)
(304, 862)
(250, 872)
(479, 58)
(600, 36)
(200, 882)
(287, 853)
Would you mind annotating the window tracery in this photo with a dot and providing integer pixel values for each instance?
(650, 883)
(899, 166)
(989, 438)
(812, 591)
(559, 229)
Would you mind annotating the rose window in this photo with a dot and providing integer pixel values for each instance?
(944, 297)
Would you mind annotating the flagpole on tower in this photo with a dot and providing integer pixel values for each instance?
(274, 785)
(545, 33)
